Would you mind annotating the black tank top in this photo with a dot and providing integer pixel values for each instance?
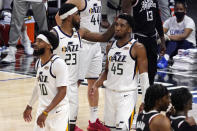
(144, 118)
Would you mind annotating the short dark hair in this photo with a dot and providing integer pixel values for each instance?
(54, 41)
(179, 98)
(128, 18)
(181, 2)
(65, 8)
(154, 93)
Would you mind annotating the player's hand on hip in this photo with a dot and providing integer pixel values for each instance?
(27, 114)
(41, 120)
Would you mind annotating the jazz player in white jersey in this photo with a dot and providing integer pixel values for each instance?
(126, 58)
(69, 48)
(50, 88)
(91, 57)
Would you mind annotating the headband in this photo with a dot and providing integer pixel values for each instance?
(44, 38)
(70, 12)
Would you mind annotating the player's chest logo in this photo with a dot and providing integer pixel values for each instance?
(42, 78)
(70, 47)
(117, 57)
(95, 9)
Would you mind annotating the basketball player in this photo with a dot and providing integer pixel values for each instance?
(182, 101)
(147, 24)
(125, 59)
(156, 100)
(90, 56)
(50, 89)
(69, 48)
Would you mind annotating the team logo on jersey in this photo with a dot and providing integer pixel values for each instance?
(147, 4)
(140, 125)
(95, 9)
(70, 47)
(117, 57)
(46, 67)
(42, 78)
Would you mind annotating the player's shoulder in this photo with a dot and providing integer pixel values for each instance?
(138, 45)
(57, 60)
(160, 120)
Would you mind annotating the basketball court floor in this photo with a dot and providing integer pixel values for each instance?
(17, 82)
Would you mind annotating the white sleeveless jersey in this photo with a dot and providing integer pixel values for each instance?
(50, 76)
(91, 15)
(122, 75)
(68, 49)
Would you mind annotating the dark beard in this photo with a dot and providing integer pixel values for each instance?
(39, 52)
(117, 37)
(76, 25)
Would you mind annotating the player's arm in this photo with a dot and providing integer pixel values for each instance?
(160, 123)
(139, 52)
(186, 33)
(103, 75)
(95, 36)
(59, 70)
(78, 4)
(126, 5)
(27, 113)
(159, 28)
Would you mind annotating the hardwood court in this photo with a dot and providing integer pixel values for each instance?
(15, 92)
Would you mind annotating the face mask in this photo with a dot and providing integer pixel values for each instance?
(179, 15)
(39, 52)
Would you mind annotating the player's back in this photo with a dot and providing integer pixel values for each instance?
(144, 119)
(68, 49)
(91, 15)
(122, 75)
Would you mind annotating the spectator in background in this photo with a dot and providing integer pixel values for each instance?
(20, 8)
(164, 9)
(181, 32)
(182, 101)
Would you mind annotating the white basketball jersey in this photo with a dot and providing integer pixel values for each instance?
(91, 15)
(50, 76)
(122, 74)
(68, 49)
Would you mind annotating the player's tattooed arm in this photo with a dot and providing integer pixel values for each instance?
(97, 37)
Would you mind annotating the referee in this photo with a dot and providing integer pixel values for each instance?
(147, 24)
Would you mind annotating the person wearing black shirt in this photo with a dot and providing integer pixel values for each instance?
(156, 100)
(182, 102)
(147, 24)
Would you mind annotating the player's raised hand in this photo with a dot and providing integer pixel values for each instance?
(27, 114)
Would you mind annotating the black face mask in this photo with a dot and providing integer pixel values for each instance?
(179, 15)
(39, 52)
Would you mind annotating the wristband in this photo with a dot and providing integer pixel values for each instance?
(45, 113)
